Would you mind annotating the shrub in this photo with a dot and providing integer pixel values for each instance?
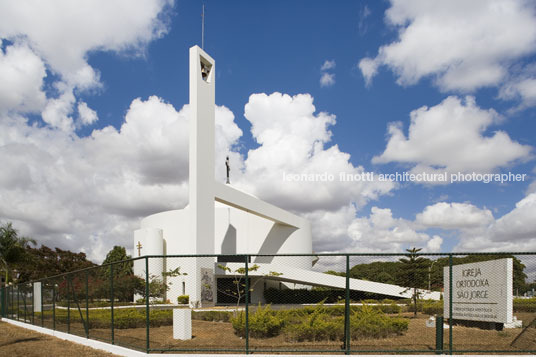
(369, 301)
(318, 326)
(391, 308)
(263, 323)
(430, 307)
(183, 299)
(325, 323)
(372, 323)
(388, 301)
(433, 307)
(411, 307)
(224, 316)
(123, 318)
(525, 305)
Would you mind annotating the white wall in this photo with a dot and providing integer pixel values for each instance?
(152, 242)
(236, 232)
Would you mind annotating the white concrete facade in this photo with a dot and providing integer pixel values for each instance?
(223, 220)
(219, 218)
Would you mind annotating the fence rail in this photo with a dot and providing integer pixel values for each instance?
(442, 303)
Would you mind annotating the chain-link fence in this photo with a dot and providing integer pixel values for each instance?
(325, 303)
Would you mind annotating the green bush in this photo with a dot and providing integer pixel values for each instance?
(123, 318)
(391, 308)
(433, 307)
(372, 323)
(183, 299)
(224, 316)
(369, 301)
(312, 323)
(388, 301)
(430, 307)
(337, 310)
(525, 305)
(263, 323)
(411, 307)
(318, 326)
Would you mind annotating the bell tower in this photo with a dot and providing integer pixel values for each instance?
(202, 104)
(201, 176)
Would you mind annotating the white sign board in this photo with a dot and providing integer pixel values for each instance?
(482, 291)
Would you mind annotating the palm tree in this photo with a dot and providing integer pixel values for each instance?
(12, 247)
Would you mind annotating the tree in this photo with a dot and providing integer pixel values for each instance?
(413, 274)
(118, 254)
(125, 282)
(12, 247)
(336, 273)
(238, 289)
(519, 278)
(381, 272)
(43, 262)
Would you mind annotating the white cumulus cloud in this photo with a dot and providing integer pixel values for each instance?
(61, 36)
(64, 33)
(327, 79)
(328, 65)
(454, 216)
(461, 45)
(21, 79)
(451, 136)
(86, 114)
(294, 140)
(89, 193)
(381, 232)
(519, 224)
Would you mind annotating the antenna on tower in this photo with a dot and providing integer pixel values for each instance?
(203, 28)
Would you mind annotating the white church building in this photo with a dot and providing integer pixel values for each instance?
(223, 220)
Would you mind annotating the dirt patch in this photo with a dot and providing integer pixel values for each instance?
(18, 341)
(208, 335)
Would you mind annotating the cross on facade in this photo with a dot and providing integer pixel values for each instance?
(139, 246)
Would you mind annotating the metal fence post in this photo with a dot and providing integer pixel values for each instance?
(3, 302)
(147, 304)
(25, 306)
(247, 305)
(347, 308)
(33, 304)
(439, 335)
(87, 303)
(68, 306)
(112, 300)
(12, 302)
(18, 300)
(54, 306)
(450, 304)
(42, 310)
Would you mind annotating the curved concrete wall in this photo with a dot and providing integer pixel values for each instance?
(236, 232)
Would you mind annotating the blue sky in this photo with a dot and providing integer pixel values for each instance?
(94, 125)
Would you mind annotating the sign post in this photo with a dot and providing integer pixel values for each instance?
(481, 291)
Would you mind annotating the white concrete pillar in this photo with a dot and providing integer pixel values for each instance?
(201, 175)
(201, 178)
(37, 293)
(182, 324)
(148, 241)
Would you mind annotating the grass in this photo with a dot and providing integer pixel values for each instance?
(17, 341)
(216, 332)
